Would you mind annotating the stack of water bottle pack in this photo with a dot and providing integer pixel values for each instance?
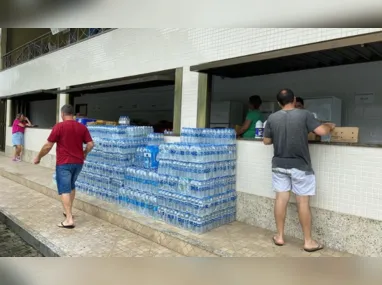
(197, 179)
(141, 180)
(104, 170)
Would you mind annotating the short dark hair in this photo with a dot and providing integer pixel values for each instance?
(300, 100)
(67, 110)
(255, 101)
(285, 96)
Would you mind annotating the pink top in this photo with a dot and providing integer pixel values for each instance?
(16, 128)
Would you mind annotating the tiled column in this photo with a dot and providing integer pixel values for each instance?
(204, 100)
(62, 99)
(178, 90)
(3, 45)
(189, 98)
(9, 119)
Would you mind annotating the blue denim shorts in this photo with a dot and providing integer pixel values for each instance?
(17, 139)
(66, 176)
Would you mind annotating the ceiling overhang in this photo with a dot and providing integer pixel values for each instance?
(350, 50)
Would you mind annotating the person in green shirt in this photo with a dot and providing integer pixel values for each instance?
(248, 128)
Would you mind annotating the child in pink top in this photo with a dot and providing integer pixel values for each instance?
(18, 130)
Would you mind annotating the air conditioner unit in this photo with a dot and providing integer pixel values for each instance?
(58, 30)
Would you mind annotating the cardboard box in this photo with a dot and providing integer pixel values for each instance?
(312, 137)
(102, 123)
(345, 135)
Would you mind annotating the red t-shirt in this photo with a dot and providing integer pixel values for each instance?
(70, 137)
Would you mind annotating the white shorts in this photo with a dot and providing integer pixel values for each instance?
(301, 183)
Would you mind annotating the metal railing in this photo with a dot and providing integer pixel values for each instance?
(49, 43)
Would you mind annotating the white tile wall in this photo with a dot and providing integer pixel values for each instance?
(349, 178)
(34, 139)
(125, 52)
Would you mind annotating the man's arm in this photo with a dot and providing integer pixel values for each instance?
(244, 127)
(44, 151)
(324, 129)
(267, 141)
(315, 126)
(89, 147)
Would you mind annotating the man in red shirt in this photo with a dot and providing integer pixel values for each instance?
(70, 136)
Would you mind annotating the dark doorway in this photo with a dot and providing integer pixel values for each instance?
(82, 110)
(3, 119)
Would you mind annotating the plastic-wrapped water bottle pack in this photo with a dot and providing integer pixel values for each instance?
(146, 157)
(197, 171)
(193, 186)
(208, 136)
(155, 139)
(119, 132)
(138, 201)
(201, 153)
(197, 224)
(197, 180)
(200, 207)
(104, 170)
(142, 179)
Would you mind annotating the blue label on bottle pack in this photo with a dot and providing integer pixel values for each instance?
(259, 132)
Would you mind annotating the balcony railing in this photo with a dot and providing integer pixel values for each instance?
(49, 43)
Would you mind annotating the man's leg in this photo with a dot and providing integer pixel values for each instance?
(304, 186)
(64, 178)
(282, 185)
(67, 203)
(281, 204)
(305, 217)
(72, 197)
(76, 170)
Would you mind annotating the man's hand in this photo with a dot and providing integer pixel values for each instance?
(331, 126)
(36, 160)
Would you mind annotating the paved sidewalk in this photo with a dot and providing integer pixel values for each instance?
(98, 237)
(91, 238)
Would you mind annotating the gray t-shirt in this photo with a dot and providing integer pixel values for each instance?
(289, 133)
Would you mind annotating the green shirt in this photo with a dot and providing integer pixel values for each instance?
(252, 116)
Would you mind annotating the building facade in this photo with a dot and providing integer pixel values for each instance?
(349, 187)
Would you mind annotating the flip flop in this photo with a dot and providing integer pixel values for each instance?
(276, 243)
(317, 248)
(66, 226)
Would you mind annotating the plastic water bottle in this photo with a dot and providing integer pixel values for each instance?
(259, 129)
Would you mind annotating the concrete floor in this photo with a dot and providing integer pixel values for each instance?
(98, 237)
(91, 238)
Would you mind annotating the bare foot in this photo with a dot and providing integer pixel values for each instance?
(277, 240)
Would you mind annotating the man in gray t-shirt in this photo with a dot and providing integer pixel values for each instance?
(292, 170)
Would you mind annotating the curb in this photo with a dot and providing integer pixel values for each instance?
(38, 242)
